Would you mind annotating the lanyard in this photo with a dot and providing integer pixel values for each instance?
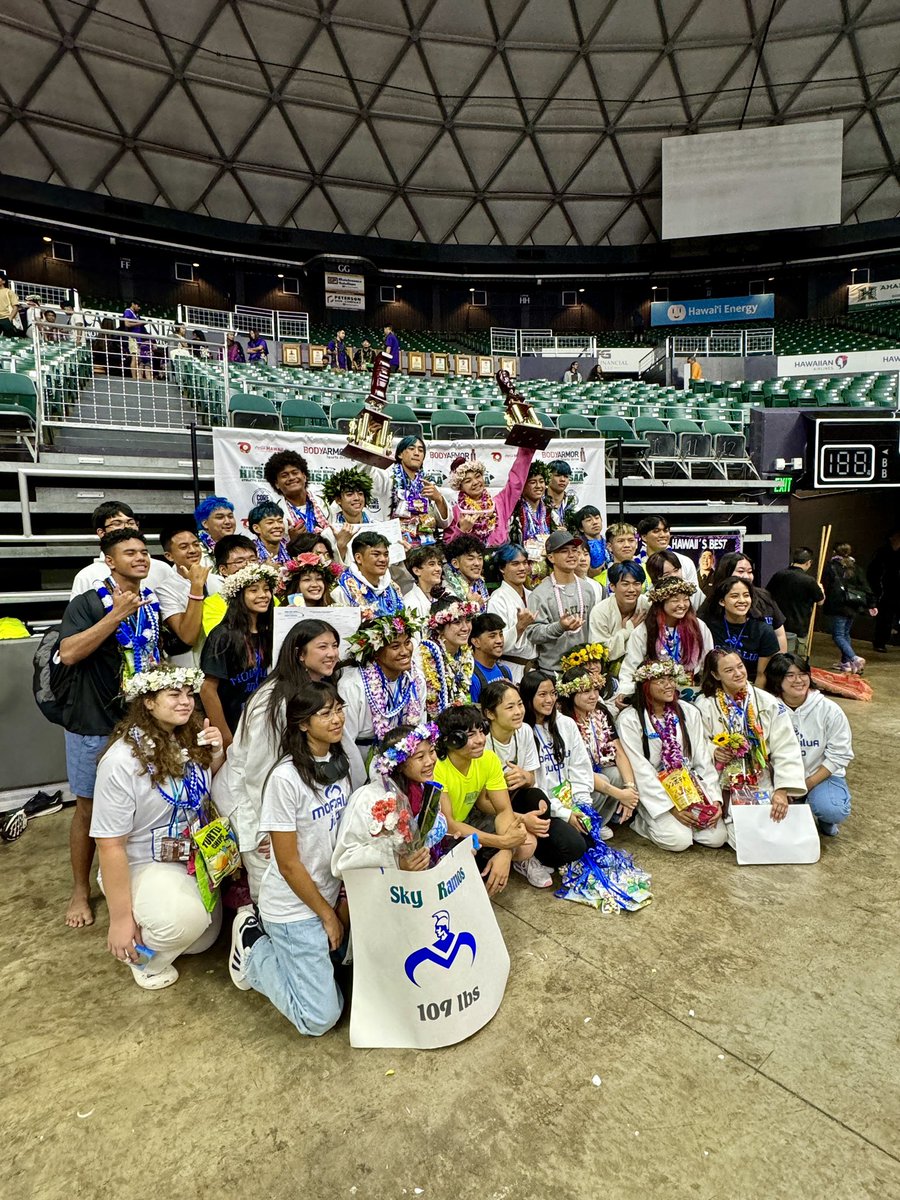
(557, 591)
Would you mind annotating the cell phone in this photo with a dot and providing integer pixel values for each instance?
(142, 957)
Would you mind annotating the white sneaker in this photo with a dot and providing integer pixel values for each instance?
(154, 983)
(536, 873)
(606, 833)
(245, 922)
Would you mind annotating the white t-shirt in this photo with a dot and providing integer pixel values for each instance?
(521, 749)
(97, 572)
(173, 593)
(289, 805)
(128, 804)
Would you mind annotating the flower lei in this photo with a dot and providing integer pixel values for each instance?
(743, 734)
(378, 632)
(462, 610)
(160, 679)
(672, 756)
(448, 680)
(394, 756)
(459, 586)
(659, 669)
(486, 523)
(598, 736)
(406, 706)
(137, 635)
(583, 683)
(592, 652)
(388, 819)
(293, 565)
(260, 572)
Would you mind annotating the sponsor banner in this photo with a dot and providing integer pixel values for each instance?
(870, 295)
(625, 359)
(705, 547)
(710, 311)
(348, 300)
(429, 961)
(239, 456)
(839, 363)
(337, 281)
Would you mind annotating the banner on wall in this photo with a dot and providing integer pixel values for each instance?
(709, 311)
(871, 295)
(625, 359)
(839, 363)
(705, 547)
(429, 961)
(239, 456)
(345, 300)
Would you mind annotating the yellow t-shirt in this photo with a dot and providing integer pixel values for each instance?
(696, 371)
(484, 773)
(214, 609)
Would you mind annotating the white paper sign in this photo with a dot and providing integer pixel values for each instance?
(429, 961)
(759, 840)
(344, 620)
(390, 530)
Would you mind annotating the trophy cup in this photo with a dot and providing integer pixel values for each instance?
(525, 428)
(369, 435)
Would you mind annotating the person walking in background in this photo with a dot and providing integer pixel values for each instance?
(392, 347)
(884, 579)
(257, 348)
(796, 593)
(846, 596)
(338, 352)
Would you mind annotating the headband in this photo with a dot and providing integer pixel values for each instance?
(374, 635)
(662, 669)
(394, 756)
(160, 679)
(593, 652)
(461, 610)
(670, 587)
(583, 683)
(261, 572)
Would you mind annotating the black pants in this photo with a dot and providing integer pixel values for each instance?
(8, 329)
(888, 606)
(563, 843)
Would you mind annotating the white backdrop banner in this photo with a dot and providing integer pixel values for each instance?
(239, 456)
(429, 961)
(839, 363)
(863, 295)
(625, 359)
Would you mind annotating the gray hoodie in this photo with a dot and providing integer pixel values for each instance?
(823, 731)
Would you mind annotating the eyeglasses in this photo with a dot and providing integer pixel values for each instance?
(241, 562)
(119, 523)
(795, 675)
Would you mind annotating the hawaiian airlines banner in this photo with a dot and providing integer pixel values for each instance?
(871, 295)
(239, 456)
(429, 961)
(839, 364)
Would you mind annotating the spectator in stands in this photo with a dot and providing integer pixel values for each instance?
(75, 321)
(141, 822)
(30, 314)
(10, 324)
(367, 583)
(257, 348)
(199, 345)
(796, 593)
(615, 618)
(182, 594)
(847, 596)
(595, 375)
(464, 570)
(510, 602)
(404, 492)
(691, 371)
(478, 513)
(727, 615)
(447, 662)
(764, 607)
(562, 603)
(139, 348)
(214, 516)
(573, 375)
(287, 474)
(486, 640)
(364, 359)
(426, 565)
(49, 332)
(559, 500)
(233, 552)
(266, 523)
(884, 579)
(109, 353)
(234, 351)
(338, 352)
(392, 347)
(179, 346)
(107, 633)
(656, 535)
(106, 518)
(238, 652)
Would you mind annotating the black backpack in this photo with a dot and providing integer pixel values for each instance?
(52, 679)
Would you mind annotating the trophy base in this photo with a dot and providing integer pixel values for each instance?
(373, 456)
(535, 437)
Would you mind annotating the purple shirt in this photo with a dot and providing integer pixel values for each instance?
(392, 348)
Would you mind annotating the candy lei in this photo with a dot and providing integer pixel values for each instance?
(486, 523)
(672, 756)
(264, 556)
(363, 595)
(188, 793)
(399, 703)
(740, 716)
(137, 635)
(410, 491)
(448, 680)
(534, 520)
(598, 739)
(670, 643)
(206, 541)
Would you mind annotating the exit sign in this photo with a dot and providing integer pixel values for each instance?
(783, 483)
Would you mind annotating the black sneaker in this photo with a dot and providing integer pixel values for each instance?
(12, 825)
(42, 805)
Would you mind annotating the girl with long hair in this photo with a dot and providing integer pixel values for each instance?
(153, 784)
(764, 606)
(447, 660)
(309, 653)
(847, 596)
(564, 771)
(670, 631)
(303, 800)
(306, 583)
(727, 613)
(615, 791)
(238, 652)
(754, 746)
(680, 800)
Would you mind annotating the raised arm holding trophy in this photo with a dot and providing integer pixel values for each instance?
(525, 428)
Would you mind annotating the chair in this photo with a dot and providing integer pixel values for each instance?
(403, 420)
(252, 412)
(491, 423)
(573, 425)
(342, 413)
(616, 429)
(662, 443)
(730, 447)
(18, 410)
(451, 425)
(694, 445)
(298, 415)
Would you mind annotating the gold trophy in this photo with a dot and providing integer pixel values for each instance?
(369, 436)
(525, 428)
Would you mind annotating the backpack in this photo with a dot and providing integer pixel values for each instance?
(52, 679)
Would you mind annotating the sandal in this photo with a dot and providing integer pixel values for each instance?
(153, 983)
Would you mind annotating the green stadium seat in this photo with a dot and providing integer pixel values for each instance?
(572, 425)
(450, 425)
(252, 412)
(298, 415)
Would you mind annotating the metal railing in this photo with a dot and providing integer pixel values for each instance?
(723, 342)
(292, 327)
(48, 294)
(504, 341)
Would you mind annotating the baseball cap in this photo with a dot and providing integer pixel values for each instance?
(561, 538)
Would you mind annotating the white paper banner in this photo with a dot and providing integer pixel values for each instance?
(760, 841)
(429, 961)
(344, 620)
(389, 529)
(839, 363)
(239, 456)
(871, 294)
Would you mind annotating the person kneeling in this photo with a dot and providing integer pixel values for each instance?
(303, 801)
(473, 782)
(152, 787)
(680, 800)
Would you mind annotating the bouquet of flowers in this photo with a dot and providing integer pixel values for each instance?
(739, 772)
(391, 818)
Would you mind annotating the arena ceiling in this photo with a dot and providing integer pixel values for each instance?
(462, 121)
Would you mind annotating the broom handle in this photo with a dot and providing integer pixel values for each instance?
(824, 539)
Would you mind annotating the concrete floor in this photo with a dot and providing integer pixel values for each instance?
(785, 1082)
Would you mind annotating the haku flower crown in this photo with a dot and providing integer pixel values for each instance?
(375, 634)
(351, 479)
(461, 472)
(261, 572)
(667, 588)
(583, 683)
(592, 652)
(662, 668)
(462, 610)
(145, 683)
(388, 760)
(302, 563)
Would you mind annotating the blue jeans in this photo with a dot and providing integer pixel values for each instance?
(291, 965)
(840, 633)
(830, 802)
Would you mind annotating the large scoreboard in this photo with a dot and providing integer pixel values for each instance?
(855, 453)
